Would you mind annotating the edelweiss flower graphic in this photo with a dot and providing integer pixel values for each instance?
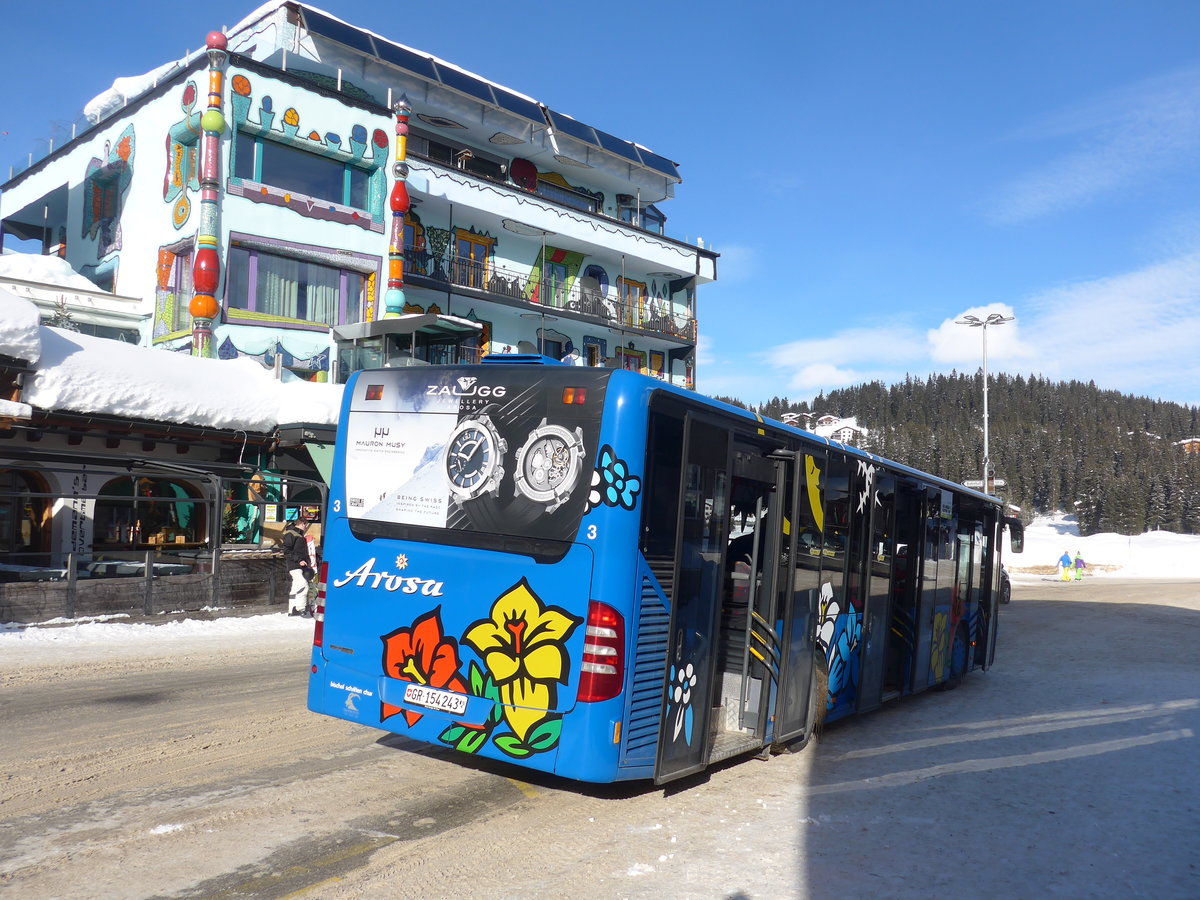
(683, 680)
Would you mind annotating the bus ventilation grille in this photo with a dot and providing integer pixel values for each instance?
(646, 684)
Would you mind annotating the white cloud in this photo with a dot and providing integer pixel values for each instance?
(962, 345)
(808, 366)
(1135, 332)
(1119, 139)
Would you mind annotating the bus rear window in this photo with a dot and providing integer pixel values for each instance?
(506, 451)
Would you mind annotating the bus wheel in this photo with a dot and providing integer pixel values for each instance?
(818, 694)
(958, 658)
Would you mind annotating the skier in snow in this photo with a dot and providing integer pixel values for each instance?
(1064, 566)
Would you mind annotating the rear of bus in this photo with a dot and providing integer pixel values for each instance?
(458, 584)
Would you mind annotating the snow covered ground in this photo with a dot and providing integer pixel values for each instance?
(1156, 554)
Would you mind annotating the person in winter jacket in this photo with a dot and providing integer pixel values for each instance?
(1064, 566)
(295, 554)
(1079, 565)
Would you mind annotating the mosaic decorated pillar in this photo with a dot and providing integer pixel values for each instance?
(393, 299)
(206, 269)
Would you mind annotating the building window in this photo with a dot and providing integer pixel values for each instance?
(24, 517)
(292, 169)
(556, 283)
(566, 195)
(471, 261)
(633, 300)
(173, 291)
(148, 511)
(457, 155)
(281, 287)
(647, 217)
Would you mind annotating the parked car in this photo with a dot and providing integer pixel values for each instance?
(1005, 585)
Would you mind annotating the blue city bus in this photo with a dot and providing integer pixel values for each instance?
(595, 574)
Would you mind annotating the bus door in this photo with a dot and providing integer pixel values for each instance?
(797, 591)
(909, 523)
(700, 538)
(874, 556)
(935, 597)
(989, 597)
(748, 652)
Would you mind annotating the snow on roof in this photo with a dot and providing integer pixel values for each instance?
(127, 88)
(43, 269)
(19, 328)
(84, 374)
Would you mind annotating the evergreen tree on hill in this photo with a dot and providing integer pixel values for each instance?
(1112, 459)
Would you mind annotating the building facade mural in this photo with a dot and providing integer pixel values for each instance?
(520, 228)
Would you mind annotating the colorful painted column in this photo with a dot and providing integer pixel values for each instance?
(206, 270)
(393, 298)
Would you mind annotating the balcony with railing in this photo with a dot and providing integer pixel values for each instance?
(583, 297)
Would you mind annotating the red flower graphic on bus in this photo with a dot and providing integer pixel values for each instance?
(421, 654)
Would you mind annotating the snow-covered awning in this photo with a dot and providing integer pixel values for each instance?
(429, 323)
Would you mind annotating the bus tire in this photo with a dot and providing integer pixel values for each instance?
(818, 692)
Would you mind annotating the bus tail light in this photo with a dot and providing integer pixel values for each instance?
(319, 612)
(603, 666)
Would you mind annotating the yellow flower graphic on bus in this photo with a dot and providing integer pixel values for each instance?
(522, 645)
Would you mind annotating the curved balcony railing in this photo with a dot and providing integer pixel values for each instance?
(584, 295)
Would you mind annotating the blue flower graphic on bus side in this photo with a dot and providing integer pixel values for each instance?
(612, 485)
(683, 680)
(843, 658)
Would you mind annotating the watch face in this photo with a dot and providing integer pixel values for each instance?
(548, 464)
(473, 458)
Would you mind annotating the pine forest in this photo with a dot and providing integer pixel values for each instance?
(1114, 460)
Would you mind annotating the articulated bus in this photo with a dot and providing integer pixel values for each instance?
(595, 574)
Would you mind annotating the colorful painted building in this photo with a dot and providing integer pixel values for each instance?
(321, 199)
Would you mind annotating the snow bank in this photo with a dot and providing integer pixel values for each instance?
(94, 639)
(1156, 554)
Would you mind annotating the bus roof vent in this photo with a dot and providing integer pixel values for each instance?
(522, 359)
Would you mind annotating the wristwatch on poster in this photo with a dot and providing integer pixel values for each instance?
(547, 465)
(474, 458)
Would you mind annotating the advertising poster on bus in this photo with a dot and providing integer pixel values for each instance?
(505, 451)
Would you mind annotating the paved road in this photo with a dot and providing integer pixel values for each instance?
(1066, 770)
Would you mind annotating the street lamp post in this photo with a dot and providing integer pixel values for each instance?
(976, 322)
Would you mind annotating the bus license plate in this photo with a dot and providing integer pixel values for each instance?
(435, 699)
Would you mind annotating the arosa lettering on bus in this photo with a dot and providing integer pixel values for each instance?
(465, 387)
(425, 586)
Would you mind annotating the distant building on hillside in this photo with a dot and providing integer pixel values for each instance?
(843, 430)
(322, 199)
(1189, 445)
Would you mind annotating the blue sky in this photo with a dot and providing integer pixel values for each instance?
(868, 171)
